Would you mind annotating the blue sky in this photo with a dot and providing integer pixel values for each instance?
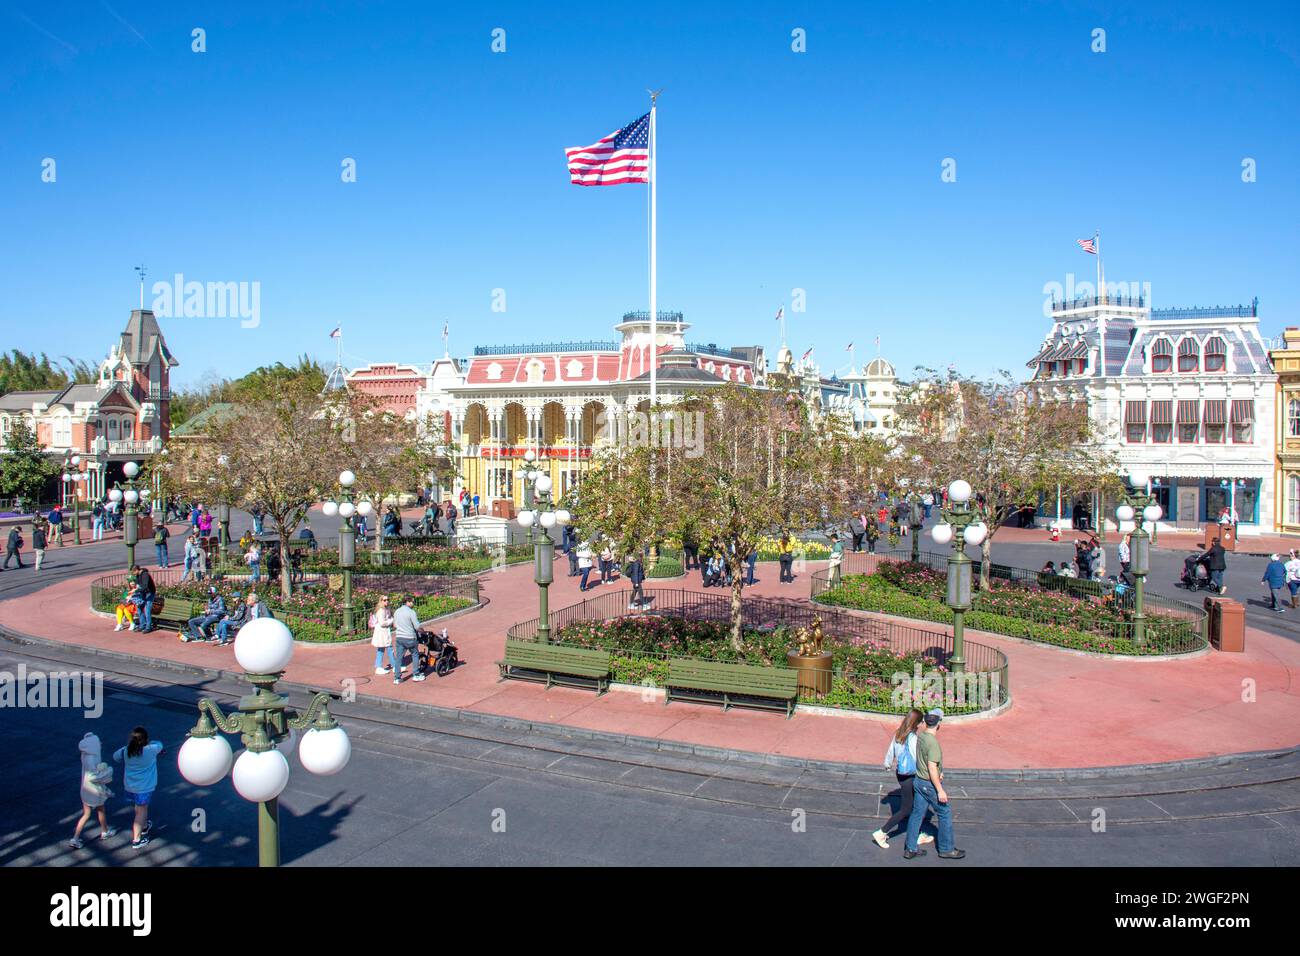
(778, 170)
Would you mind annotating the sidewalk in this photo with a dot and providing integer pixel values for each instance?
(1264, 544)
(1067, 710)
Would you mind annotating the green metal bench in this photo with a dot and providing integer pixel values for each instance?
(556, 664)
(768, 688)
(175, 613)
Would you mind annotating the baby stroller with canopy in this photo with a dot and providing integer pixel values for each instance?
(1196, 572)
(437, 653)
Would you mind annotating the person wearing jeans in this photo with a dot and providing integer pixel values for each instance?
(145, 594)
(406, 637)
(928, 793)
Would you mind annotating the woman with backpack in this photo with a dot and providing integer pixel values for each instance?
(140, 778)
(901, 758)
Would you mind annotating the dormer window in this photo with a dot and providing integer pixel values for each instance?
(1189, 356)
(1216, 354)
(1162, 356)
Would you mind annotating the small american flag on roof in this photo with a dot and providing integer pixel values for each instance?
(1088, 245)
(621, 157)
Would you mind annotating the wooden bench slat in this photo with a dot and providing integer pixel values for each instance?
(556, 661)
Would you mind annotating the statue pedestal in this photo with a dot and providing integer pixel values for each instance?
(813, 672)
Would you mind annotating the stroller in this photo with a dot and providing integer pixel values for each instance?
(1196, 572)
(437, 653)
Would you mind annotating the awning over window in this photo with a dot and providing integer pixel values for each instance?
(1243, 411)
(1135, 413)
(1216, 411)
(1077, 351)
(1188, 347)
(1039, 357)
(1162, 413)
(1214, 346)
(1162, 347)
(1189, 411)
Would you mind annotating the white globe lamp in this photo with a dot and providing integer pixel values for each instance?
(325, 752)
(347, 509)
(205, 760)
(530, 456)
(1152, 512)
(546, 519)
(331, 508)
(976, 533)
(959, 491)
(131, 496)
(526, 518)
(543, 485)
(1139, 479)
(130, 469)
(365, 508)
(264, 646)
(259, 777)
(942, 533)
(563, 516)
(115, 494)
(347, 479)
(1124, 512)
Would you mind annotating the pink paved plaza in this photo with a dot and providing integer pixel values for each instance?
(1068, 710)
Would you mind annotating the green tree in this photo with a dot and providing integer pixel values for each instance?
(23, 372)
(24, 467)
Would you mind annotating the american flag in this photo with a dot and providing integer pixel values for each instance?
(1088, 245)
(621, 157)
(806, 355)
(338, 331)
(780, 313)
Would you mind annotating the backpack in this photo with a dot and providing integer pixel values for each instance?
(906, 761)
(160, 536)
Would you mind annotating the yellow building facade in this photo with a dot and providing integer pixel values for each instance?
(1286, 363)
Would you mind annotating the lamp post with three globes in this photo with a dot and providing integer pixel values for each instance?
(961, 525)
(1140, 507)
(539, 516)
(128, 494)
(345, 509)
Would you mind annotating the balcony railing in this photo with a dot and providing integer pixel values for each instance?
(1208, 312)
(712, 349)
(644, 316)
(537, 348)
(1091, 301)
(159, 393)
(149, 446)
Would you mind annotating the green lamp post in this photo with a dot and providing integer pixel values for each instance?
(72, 474)
(961, 525)
(1140, 507)
(268, 727)
(345, 508)
(129, 495)
(539, 516)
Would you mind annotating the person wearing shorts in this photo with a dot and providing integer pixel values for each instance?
(140, 779)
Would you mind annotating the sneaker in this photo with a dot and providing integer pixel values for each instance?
(109, 833)
(924, 838)
(141, 843)
(397, 680)
(120, 627)
(75, 843)
(912, 854)
(418, 677)
(953, 854)
(148, 825)
(880, 839)
(381, 670)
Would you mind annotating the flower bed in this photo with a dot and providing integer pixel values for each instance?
(1070, 618)
(313, 616)
(643, 644)
(423, 558)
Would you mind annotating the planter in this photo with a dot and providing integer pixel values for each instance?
(814, 671)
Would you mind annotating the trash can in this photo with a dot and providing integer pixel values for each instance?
(1226, 533)
(503, 508)
(1227, 624)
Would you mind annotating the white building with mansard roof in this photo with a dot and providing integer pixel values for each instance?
(1183, 395)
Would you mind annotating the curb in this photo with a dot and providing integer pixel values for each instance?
(669, 746)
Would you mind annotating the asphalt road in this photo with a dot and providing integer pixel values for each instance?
(426, 790)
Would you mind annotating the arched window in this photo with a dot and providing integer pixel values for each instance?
(1293, 499)
(1189, 356)
(1293, 418)
(1216, 354)
(1162, 356)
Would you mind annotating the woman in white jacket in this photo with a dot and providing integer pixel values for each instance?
(901, 758)
(381, 638)
(95, 778)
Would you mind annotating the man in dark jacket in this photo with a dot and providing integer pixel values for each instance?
(1275, 578)
(148, 591)
(1216, 562)
(857, 528)
(14, 547)
(229, 625)
(635, 572)
(211, 616)
(38, 544)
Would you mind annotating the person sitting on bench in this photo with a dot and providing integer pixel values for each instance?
(229, 625)
(212, 615)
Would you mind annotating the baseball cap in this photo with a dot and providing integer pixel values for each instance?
(932, 717)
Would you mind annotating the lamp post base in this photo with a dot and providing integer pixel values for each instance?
(268, 833)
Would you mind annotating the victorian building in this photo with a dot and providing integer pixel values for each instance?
(1186, 396)
(123, 416)
(1286, 433)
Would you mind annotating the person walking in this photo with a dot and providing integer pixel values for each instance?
(584, 565)
(406, 635)
(690, 550)
(258, 518)
(160, 536)
(140, 778)
(97, 522)
(572, 553)
(751, 562)
(929, 794)
(872, 532)
(901, 758)
(381, 636)
(38, 544)
(95, 778)
(836, 559)
(857, 528)
(1275, 578)
(55, 519)
(1125, 553)
(14, 548)
(254, 561)
(1216, 562)
(606, 563)
(1293, 574)
(635, 571)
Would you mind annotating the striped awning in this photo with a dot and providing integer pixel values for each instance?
(1243, 410)
(1162, 347)
(1056, 352)
(1162, 412)
(1189, 411)
(1216, 411)
(1188, 347)
(1077, 351)
(1040, 357)
(1135, 413)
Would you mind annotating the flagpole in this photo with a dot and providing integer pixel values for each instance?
(1101, 270)
(654, 305)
